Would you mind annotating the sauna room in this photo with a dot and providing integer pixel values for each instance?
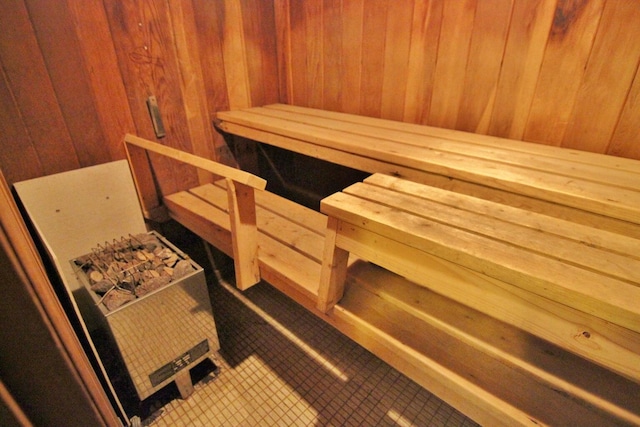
(320, 212)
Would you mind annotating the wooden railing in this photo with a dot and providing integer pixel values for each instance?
(242, 210)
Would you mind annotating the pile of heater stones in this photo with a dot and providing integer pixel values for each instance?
(130, 268)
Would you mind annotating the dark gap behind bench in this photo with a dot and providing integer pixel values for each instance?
(302, 179)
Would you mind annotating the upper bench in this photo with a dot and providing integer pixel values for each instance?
(596, 183)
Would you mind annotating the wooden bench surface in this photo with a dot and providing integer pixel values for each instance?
(592, 182)
(394, 223)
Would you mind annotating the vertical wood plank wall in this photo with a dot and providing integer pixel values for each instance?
(75, 74)
(559, 72)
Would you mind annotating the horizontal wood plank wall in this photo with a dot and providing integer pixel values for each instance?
(75, 76)
(556, 72)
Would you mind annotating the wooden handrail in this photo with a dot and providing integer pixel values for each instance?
(241, 188)
(216, 168)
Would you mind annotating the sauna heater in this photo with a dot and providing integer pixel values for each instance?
(153, 300)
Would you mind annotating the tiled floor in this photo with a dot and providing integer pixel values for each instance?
(281, 366)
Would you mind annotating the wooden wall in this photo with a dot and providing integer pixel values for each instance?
(561, 72)
(75, 75)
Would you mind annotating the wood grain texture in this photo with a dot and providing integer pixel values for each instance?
(314, 59)
(258, 19)
(396, 56)
(297, 39)
(626, 138)
(514, 69)
(352, 45)
(332, 54)
(210, 166)
(373, 48)
(374, 213)
(208, 27)
(574, 27)
(451, 66)
(425, 34)
(59, 44)
(89, 74)
(486, 54)
(200, 132)
(607, 78)
(146, 54)
(524, 51)
(235, 60)
(99, 56)
(244, 233)
(18, 157)
(282, 23)
(33, 91)
(594, 183)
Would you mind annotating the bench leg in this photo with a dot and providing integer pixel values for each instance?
(334, 269)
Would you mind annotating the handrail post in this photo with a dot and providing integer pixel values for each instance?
(244, 233)
(334, 269)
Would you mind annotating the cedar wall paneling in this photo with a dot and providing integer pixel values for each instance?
(560, 72)
(75, 76)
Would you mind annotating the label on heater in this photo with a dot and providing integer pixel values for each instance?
(179, 363)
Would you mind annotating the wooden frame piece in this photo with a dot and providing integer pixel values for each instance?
(334, 269)
(34, 282)
(244, 232)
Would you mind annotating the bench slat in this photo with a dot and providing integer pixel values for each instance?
(472, 376)
(276, 225)
(297, 214)
(290, 266)
(203, 219)
(190, 202)
(623, 241)
(613, 346)
(504, 197)
(580, 193)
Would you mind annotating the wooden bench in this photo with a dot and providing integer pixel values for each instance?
(575, 286)
(502, 354)
(569, 184)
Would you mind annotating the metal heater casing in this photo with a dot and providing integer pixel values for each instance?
(161, 333)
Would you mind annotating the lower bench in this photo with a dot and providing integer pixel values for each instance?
(572, 285)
